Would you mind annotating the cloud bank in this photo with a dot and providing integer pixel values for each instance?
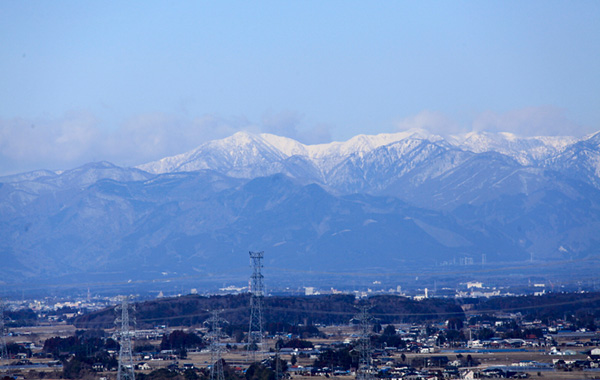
(529, 121)
(80, 137)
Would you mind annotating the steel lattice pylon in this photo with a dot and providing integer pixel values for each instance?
(216, 350)
(255, 331)
(3, 350)
(278, 374)
(126, 370)
(364, 371)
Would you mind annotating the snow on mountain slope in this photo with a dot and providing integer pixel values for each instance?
(236, 154)
(327, 156)
(240, 150)
(434, 198)
(372, 163)
(526, 150)
(580, 160)
(28, 176)
(374, 171)
(287, 146)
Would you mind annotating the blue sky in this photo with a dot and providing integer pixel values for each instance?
(130, 82)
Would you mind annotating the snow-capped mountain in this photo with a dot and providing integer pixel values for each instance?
(368, 163)
(526, 150)
(249, 155)
(408, 198)
(580, 160)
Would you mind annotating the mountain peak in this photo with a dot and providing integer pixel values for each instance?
(241, 138)
(441, 198)
(593, 139)
(246, 154)
(526, 150)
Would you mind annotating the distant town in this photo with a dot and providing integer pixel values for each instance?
(472, 331)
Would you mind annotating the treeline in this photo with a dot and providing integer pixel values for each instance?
(340, 309)
(326, 309)
(20, 318)
(549, 306)
(84, 343)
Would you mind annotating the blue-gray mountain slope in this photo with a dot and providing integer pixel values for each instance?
(417, 201)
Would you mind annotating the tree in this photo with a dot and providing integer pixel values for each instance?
(13, 349)
(159, 374)
(190, 374)
(298, 343)
(389, 330)
(283, 365)
(340, 357)
(179, 339)
(455, 323)
(182, 353)
(484, 334)
(238, 335)
(469, 360)
(76, 368)
(259, 372)
(454, 336)
(144, 348)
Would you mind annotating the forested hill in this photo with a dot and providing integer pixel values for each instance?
(326, 309)
(339, 309)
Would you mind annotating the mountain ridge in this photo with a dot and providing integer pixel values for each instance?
(247, 155)
(388, 201)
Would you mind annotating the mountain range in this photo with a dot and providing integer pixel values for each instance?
(372, 203)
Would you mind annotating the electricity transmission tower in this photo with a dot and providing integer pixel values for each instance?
(216, 371)
(278, 374)
(3, 350)
(125, 370)
(364, 371)
(255, 331)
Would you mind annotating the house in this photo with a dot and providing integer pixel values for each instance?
(98, 367)
(143, 366)
(437, 361)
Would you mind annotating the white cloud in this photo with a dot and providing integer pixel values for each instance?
(530, 121)
(36, 144)
(434, 122)
(78, 138)
(152, 136)
(288, 124)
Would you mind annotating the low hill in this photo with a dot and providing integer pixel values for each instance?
(326, 309)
